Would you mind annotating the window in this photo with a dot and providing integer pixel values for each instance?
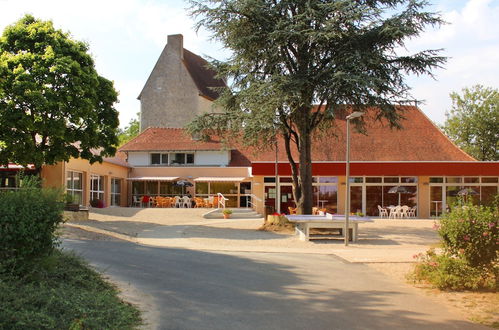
(159, 159)
(96, 187)
(115, 192)
(74, 186)
(180, 158)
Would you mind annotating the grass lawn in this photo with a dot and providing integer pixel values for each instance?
(63, 292)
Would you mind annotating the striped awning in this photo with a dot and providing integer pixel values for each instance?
(154, 178)
(218, 179)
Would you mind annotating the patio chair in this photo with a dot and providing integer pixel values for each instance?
(135, 200)
(404, 212)
(178, 201)
(412, 212)
(186, 202)
(145, 200)
(383, 213)
(199, 202)
(395, 212)
(215, 201)
(160, 201)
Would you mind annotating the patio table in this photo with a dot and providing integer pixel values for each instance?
(306, 222)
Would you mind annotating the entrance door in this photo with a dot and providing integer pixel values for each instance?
(287, 199)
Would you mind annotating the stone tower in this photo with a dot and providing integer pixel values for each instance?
(178, 88)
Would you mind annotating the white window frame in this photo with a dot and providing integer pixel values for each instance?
(115, 195)
(71, 190)
(99, 193)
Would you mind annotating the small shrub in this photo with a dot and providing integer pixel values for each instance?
(448, 272)
(471, 232)
(28, 220)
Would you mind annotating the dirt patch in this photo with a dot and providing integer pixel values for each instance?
(478, 307)
(287, 228)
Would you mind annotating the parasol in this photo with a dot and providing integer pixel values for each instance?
(399, 190)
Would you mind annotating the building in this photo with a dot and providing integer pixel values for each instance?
(180, 87)
(419, 157)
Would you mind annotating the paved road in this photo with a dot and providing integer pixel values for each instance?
(205, 290)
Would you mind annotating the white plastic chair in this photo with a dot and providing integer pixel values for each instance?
(395, 212)
(136, 200)
(382, 212)
(412, 212)
(186, 202)
(178, 201)
(404, 212)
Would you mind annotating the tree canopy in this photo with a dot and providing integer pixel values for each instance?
(288, 56)
(473, 121)
(53, 103)
(130, 131)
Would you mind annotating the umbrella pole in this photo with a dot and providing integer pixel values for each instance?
(399, 198)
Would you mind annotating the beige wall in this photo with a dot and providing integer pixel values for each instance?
(55, 176)
(193, 172)
(423, 197)
(259, 190)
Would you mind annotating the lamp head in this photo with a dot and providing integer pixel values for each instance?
(355, 114)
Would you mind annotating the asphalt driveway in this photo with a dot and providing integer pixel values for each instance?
(191, 289)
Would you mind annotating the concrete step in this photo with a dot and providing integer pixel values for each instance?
(237, 213)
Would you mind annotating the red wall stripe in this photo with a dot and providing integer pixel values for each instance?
(395, 169)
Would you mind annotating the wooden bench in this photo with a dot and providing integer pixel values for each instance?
(304, 223)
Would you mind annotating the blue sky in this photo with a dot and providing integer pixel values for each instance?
(127, 36)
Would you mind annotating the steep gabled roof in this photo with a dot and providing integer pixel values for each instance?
(203, 76)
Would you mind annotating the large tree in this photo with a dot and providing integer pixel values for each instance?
(53, 104)
(473, 122)
(130, 131)
(288, 56)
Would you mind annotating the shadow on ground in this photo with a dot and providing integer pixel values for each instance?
(201, 290)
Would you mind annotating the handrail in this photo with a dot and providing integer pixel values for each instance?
(221, 200)
(251, 203)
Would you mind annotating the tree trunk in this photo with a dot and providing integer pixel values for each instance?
(306, 200)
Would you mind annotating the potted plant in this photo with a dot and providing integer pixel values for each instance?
(227, 213)
(70, 204)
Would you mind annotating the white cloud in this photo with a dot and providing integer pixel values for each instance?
(471, 42)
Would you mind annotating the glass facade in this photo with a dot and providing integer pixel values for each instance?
(115, 192)
(444, 191)
(96, 187)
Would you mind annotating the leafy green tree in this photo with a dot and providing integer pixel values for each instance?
(288, 56)
(130, 131)
(53, 104)
(473, 122)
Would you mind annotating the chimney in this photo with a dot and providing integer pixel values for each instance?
(176, 45)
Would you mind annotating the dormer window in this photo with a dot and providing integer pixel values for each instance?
(178, 158)
(159, 159)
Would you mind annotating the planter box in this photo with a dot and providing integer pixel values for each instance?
(277, 219)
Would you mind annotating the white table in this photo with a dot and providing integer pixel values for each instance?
(306, 222)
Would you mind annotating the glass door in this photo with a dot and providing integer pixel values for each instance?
(286, 198)
(436, 201)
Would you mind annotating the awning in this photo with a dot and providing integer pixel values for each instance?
(154, 178)
(219, 179)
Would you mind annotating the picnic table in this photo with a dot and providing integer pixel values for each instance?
(306, 222)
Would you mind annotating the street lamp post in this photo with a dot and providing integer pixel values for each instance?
(355, 114)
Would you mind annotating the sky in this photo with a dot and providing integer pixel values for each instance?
(126, 38)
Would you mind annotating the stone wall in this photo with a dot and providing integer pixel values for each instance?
(170, 98)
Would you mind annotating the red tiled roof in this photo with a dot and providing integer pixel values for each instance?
(169, 139)
(419, 140)
(118, 159)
